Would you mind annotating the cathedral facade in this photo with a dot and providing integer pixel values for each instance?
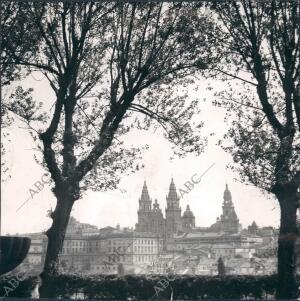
(151, 218)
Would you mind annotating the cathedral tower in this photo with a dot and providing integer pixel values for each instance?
(173, 211)
(144, 212)
(229, 221)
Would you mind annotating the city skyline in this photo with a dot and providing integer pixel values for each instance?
(185, 200)
(120, 205)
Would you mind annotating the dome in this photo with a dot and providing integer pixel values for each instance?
(188, 212)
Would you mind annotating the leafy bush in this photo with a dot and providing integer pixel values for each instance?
(145, 287)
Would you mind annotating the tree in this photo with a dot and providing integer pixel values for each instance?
(221, 267)
(121, 270)
(18, 33)
(112, 68)
(261, 50)
(23, 38)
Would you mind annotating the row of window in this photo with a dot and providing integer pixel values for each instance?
(143, 258)
(75, 250)
(110, 242)
(136, 241)
(137, 249)
(104, 268)
(114, 258)
(77, 243)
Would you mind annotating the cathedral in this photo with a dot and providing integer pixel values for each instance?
(151, 218)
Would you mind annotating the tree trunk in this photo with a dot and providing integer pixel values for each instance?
(288, 234)
(56, 235)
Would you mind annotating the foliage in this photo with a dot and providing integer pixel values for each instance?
(142, 287)
(19, 37)
(221, 267)
(125, 62)
(261, 55)
(121, 270)
(17, 34)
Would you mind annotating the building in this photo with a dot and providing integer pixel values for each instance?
(174, 220)
(228, 221)
(195, 239)
(104, 252)
(77, 228)
(188, 220)
(161, 245)
(151, 219)
(207, 266)
(35, 253)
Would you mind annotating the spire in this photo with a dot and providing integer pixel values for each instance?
(172, 197)
(145, 194)
(227, 195)
(145, 201)
(172, 189)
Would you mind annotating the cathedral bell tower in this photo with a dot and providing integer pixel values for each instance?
(173, 211)
(144, 212)
(229, 220)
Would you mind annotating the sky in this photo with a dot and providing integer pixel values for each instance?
(120, 206)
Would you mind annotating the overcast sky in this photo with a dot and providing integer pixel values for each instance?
(120, 206)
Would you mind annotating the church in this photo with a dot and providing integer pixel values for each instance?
(151, 218)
